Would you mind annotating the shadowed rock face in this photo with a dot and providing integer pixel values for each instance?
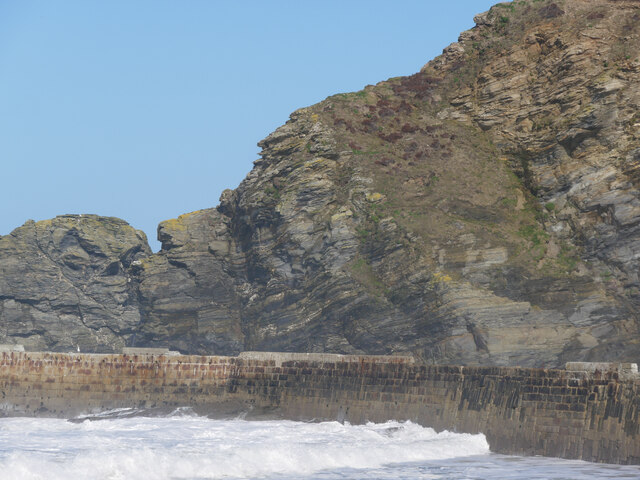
(482, 211)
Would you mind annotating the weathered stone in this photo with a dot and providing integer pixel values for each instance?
(65, 283)
(572, 414)
(482, 211)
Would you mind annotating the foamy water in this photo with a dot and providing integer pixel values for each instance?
(183, 446)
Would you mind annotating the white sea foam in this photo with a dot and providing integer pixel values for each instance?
(183, 446)
(190, 447)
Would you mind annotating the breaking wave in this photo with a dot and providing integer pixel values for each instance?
(185, 446)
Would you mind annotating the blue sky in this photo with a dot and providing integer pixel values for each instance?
(145, 110)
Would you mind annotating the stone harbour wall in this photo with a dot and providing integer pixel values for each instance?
(589, 412)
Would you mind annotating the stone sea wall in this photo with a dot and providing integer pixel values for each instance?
(587, 412)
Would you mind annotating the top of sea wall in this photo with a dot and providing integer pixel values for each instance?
(577, 370)
(278, 358)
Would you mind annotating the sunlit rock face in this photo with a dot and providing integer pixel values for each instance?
(482, 211)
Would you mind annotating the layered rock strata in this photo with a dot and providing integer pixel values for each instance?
(482, 211)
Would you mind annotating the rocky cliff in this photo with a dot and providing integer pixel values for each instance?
(482, 211)
(65, 283)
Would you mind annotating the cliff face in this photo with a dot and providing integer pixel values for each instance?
(484, 211)
(64, 283)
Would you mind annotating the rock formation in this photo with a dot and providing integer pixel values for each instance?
(65, 283)
(482, 211)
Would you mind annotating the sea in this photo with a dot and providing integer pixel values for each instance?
(122, 444)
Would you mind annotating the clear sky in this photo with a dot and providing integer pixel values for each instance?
(147, 109)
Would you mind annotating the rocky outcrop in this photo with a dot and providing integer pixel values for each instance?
(187, 294)
(65, 283)
(482, 211)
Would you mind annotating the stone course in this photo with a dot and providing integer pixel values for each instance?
(589, 415)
